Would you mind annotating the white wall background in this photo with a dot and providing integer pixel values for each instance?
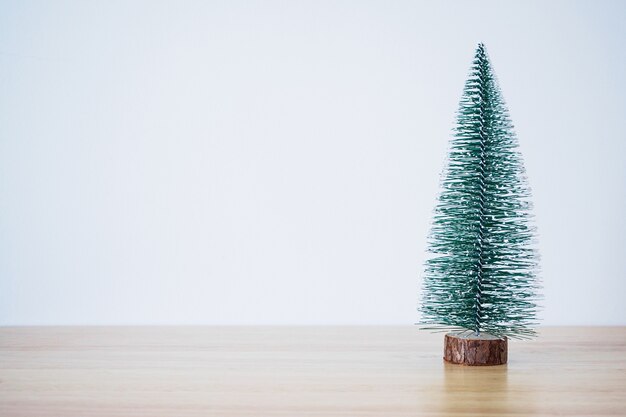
(276, 162)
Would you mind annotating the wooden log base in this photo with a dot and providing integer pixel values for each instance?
(475, 350)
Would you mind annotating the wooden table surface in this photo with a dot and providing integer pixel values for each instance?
(302, 371)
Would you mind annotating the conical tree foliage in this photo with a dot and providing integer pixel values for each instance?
(482, 275)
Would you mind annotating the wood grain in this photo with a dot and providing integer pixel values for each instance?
(475, 350)
(301, 371)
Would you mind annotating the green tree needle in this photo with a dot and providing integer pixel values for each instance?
(482, 272)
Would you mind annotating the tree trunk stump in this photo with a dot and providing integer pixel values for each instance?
(475, 350)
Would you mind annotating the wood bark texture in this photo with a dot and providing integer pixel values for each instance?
(475, 350)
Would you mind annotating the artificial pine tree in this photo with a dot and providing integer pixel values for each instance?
(482, 275)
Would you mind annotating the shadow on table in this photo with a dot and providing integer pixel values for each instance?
(479, 390)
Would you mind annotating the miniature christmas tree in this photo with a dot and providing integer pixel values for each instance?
(481, 277)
